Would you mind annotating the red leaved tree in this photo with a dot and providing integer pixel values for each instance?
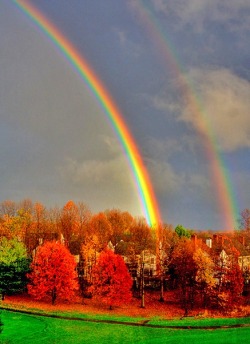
(53, 273)
(234, 279)
(111, 280)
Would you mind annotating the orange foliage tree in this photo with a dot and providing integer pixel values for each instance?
(89, 255)
(53, 273)
(205, 281)
(16, 226)
(100, 226)
(111, 280)
(120, 224)
(234, 279)
(74, 220)
(140, 236)
(70, 222)
(8, 207)
(185, 270)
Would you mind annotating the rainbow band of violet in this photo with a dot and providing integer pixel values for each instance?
(144, 187)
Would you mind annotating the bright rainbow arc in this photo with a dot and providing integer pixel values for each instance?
(143, 183)
(218, 168)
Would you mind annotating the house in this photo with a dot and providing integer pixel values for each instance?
(221, 248)
(144, 263)
(243, 247)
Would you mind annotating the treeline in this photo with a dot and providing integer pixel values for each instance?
(200, 273)
(25, 227)
(33, 223)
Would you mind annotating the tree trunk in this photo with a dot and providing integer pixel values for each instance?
(53, 294)
(162, 290)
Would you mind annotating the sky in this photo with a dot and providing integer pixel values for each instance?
(156, 58)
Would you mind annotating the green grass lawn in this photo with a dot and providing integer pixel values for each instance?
(23, 328)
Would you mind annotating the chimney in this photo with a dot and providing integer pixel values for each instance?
(242, 240)
(215, 238)
(221, 240)
(209, 242)
(194, 239)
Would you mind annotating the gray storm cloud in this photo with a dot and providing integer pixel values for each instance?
(225, 99)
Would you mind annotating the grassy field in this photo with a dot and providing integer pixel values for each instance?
(23, 328)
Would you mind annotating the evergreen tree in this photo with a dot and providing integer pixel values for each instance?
(1, 326)
(14, 266)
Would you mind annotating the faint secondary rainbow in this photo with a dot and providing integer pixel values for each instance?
(145, 190)
(219, 171)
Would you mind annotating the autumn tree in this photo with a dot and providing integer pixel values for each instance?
(26, 205)
(235, 284)
(244, 220)
(11, 227)
(141, 236)
(89, 254)
(120, 224)
(14, 265)
(111, 280)
(70, 222)
(101, 228)
(164, 247)
(205, 281)
(8, 207)
(84, 217)
(53, 273)
(35, 226)
(229, 277)
(97, 231)
(53, 228)
(185, 270)
(74, 220)
(17, 226)
(39, 219)
(234, 278)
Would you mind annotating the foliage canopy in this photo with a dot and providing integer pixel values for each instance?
(53, 273)
(111, 279)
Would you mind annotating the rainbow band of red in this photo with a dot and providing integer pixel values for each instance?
(145, 190)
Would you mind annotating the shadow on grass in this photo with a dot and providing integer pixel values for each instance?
(144, 322)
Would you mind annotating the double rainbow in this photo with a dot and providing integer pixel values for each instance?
(145, 190)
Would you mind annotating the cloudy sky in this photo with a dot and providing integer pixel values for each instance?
(56, 143)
